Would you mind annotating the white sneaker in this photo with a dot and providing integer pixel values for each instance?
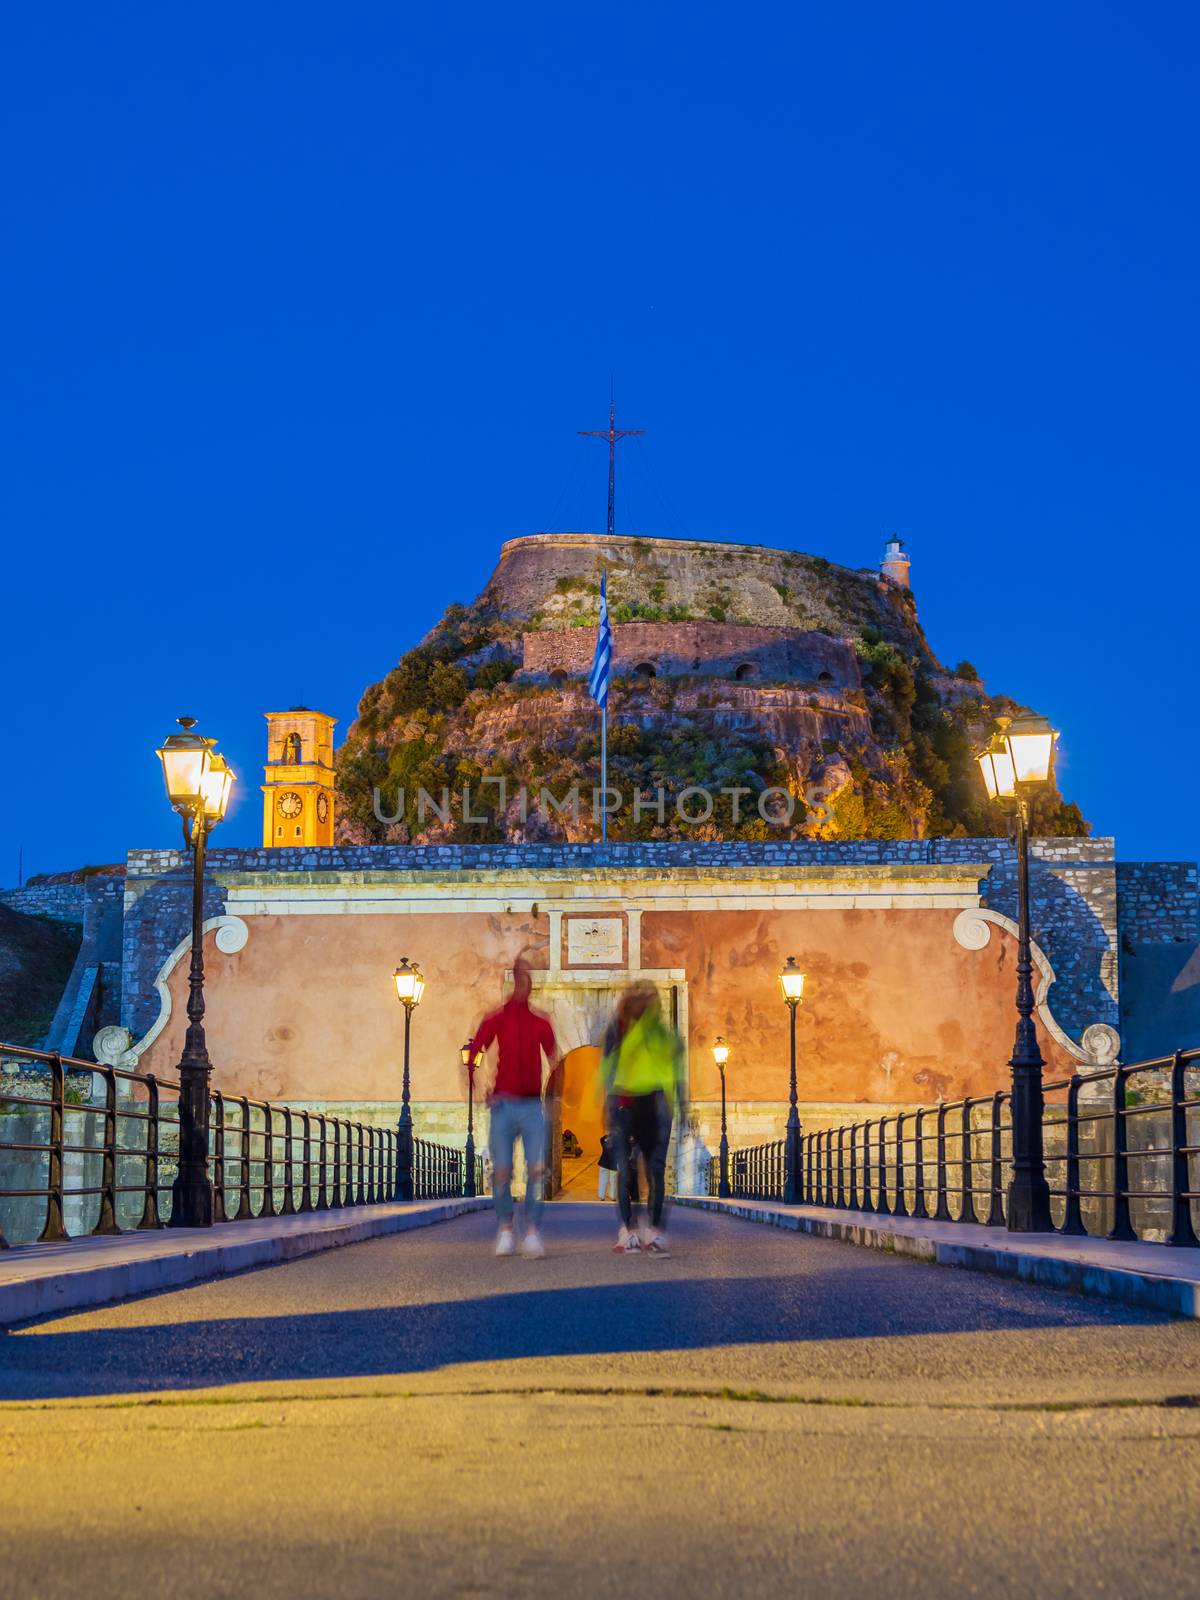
(627, 1243)
(657, 1245)
(506, 1244)
(532, 1246)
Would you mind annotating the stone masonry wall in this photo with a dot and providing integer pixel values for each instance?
(62, 902)
(711, 649)
(1159, 901)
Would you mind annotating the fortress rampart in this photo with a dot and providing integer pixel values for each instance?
(707, 649)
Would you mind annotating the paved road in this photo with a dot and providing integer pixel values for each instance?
(763, 1412)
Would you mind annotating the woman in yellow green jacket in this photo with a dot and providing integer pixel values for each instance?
(641, 1074)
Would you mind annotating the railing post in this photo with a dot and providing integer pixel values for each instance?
(216, 1112)
(268, 1199)
(323, 1165)
(245, 1210)
(995, 1216)
(289, 1165)
(867, 1203)
(55, 1228)
(335, 1198)
(881, 1164)
(853, 1197)
(900, 1209)
(942, 1209)
(1072, 1222)
(840, 1200)
(1122, 1227)
(967, 1212)
(360, 1195)
(1183, 1230)
(106, 1222)
(919, 1208)
(150, 1217)
(306, 1199)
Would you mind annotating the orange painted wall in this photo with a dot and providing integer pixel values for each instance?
(307, 1009)
(894, 1010)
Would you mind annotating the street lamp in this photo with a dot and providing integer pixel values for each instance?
(1020, 757)
(470, 1059)
(720, 1052)
(410, 986)
(791, 981)
(199, 782)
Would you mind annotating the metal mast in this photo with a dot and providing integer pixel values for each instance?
(612, 433)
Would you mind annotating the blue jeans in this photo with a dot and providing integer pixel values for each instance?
(513, 1116)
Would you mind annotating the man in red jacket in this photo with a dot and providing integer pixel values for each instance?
(522, 1037)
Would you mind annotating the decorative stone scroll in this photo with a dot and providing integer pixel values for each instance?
(1100, 1044)
(231, 936)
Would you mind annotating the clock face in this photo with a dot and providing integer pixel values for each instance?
(322, 806)
(290, 804)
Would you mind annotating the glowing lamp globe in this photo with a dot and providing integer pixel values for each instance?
(410, 985)
(1031, 746)
(791, 981)
(996, 765)
(720, 1051)
(215, 787)
(186, 758)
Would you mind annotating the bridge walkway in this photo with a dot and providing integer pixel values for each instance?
(759, 1413)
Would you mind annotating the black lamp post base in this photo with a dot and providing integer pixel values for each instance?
(191, 1203)
(1028, 1209)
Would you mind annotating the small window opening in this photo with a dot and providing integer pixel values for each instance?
(645, 669)
(746, 670)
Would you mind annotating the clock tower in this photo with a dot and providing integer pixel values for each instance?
(298, 793)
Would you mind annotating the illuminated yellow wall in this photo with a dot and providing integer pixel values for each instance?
(298, 792)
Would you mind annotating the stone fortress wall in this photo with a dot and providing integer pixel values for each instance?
(709, 649)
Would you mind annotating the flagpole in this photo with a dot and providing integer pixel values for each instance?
(604, 773)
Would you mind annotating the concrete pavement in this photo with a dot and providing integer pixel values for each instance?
(761, 1412)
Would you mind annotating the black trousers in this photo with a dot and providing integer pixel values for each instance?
(645, 1124)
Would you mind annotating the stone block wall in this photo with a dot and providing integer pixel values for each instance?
(1159, 901)
(710, 649)
(62, 902)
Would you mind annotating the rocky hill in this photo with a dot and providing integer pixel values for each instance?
(36, 956)
(737, 666)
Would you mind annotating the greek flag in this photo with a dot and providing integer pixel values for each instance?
(602, 664)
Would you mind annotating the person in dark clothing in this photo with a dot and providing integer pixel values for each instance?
(608, 1170)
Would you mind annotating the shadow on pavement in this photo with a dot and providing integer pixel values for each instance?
(647, 1316)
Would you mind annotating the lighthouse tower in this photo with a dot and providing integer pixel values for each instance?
(895, 563)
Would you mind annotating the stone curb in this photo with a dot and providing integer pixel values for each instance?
(1179, 1296)
(43, 1280)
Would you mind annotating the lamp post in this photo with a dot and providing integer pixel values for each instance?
(791, 981)
(721, 1056)
(471, 1061)
(1020, 757)
(198, 781)
(410, 986)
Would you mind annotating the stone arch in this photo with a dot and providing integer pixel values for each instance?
(645, 669)
(745, 669)
(824, 677)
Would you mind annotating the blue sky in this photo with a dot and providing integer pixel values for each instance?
(303, 305)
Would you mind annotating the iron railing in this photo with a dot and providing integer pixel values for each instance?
(755, 1173)
(439, 1171)
(1121, 1147)
(92, 1149)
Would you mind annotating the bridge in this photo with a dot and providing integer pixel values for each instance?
(766, 1410)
